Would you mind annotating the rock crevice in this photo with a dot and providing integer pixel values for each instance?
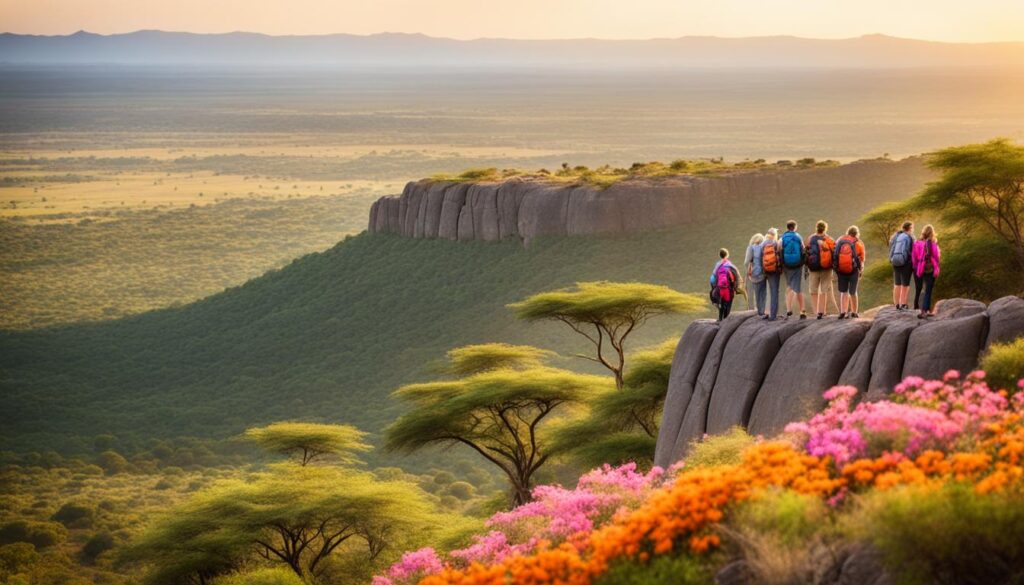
(760, 375)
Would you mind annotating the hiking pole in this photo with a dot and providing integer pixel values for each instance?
(832, 294)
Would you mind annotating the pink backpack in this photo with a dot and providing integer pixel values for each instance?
(725, 279)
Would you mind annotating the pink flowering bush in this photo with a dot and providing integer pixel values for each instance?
(412, 567)
(918, 416)
(556, 515)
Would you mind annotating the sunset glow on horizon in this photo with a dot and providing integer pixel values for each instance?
(938, 20)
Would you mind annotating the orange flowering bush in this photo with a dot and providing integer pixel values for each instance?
(682, 516)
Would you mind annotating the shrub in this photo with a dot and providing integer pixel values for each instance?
(725, 449)
(947, 535)
(663, 570)
(1004, 365)
(17, 557)
(775, 535)
(39, 534)
(461, 490)
(265, 576)
(75, 515)
(99, 543)
(112, 462)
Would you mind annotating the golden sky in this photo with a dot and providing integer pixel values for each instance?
(945, 20)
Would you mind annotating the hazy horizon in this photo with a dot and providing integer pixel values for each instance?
(942, 20)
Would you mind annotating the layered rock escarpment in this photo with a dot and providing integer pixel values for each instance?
(762, 375)
(528, 208)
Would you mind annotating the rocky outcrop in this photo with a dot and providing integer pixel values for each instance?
(528, 208)
(762, 375)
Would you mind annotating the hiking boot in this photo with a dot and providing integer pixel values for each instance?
(842, 316)
(821, 316)
(854, 316)
(789, 314)
(803, 315)
(765, 317)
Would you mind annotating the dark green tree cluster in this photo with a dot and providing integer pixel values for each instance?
(978, 206)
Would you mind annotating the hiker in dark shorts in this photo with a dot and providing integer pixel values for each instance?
(901, 248)
(849, 266)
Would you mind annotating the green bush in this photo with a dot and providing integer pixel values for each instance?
(461, 490)
(75, 515)
(661, 570)
(17, 557)
(724, 449)
(99, 543)
(266, 576)
(39, 534)
(1004, 364)
(948, 535)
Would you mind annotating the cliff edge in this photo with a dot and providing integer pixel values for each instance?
(528, 208)
(762, 375)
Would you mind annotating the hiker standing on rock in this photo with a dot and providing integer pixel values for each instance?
(793, 261)
(901, 248)
(755, 277)
(926, 259)
(820, 250)
(849, 266)
(724, 281)
(771, 266)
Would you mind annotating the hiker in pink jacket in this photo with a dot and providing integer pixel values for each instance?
(927, 257)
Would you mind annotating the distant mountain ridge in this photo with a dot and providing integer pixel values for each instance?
(154, 47)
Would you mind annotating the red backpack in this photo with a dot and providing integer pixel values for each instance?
(847, 260)
(770, 257)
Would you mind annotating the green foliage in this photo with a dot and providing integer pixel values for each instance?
(474, 359)
(623, 426)
(499, 413)
(263, 576)
(39, 534)
(309, 441)
(607, 310)
(295, 515)
(1004, 365)
(882, 222)
(112, 462)
(75, 515)
(16, 558)
(98, 544)
(660, 570)
(945, 535)
(776, 534)
(724, 449)
(979, 201)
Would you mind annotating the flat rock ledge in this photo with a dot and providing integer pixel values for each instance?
(763, 375)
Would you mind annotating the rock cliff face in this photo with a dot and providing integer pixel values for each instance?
(749, 372)
(531, 208)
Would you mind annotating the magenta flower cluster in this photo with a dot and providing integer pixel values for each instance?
(555, 515)
(919, 415)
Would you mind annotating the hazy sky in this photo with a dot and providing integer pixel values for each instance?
(948, 20)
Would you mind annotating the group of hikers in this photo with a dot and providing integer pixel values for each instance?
(771, 258)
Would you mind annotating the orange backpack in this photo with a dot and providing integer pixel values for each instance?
(847, 260)
(825, 247)
(770, 257)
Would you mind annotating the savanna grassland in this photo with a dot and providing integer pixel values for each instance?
(181, 256)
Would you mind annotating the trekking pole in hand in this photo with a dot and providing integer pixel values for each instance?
(832, 294)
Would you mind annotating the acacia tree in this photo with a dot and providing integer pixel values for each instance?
(623, 426)
(293, 514)
(309, 441)
(979, 202)
(606, 313)
(496, 406)
(882, 222)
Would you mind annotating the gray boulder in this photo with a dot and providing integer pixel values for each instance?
(747, 358)
(695, 419)
(890, 353)
(857, 372)
(809, 363)
(956, 308)
(451, 208)
(1005, 320)
(945, 344)
(686, 363)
